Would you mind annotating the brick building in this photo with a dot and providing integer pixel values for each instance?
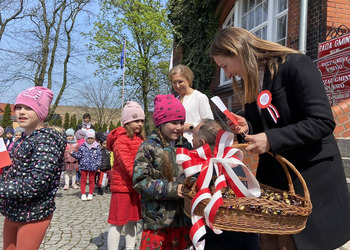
(280, 21)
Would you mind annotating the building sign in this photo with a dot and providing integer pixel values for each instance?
(334, 65)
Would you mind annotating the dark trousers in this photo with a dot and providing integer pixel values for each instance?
(229, 240)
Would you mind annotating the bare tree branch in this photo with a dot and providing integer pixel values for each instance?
(4, 22)
(105, 99)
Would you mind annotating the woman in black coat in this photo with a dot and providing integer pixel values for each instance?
(287, 112)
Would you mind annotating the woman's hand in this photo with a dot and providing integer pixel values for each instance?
(188, 127)
(242, 125)
(179, 191)
(259, 143)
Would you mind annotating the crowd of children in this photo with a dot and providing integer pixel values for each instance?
(144, 179)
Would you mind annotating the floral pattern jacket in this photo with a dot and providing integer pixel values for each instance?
(89, 157)
(29, 185)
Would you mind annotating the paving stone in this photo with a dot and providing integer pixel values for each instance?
(77, 224)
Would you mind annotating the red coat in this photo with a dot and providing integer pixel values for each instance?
(124, 151)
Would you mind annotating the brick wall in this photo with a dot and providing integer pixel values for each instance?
(316, 26)
(341, 113)
(338, 12)
(293, 24)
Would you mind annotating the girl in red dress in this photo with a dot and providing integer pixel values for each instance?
(125, 207)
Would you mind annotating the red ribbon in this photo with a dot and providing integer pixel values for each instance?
(201, 161)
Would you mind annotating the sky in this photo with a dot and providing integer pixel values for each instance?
(84, 70)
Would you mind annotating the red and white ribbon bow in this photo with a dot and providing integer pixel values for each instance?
(223, 160)
(264, 102)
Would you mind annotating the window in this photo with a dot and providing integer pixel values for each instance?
(266, 19)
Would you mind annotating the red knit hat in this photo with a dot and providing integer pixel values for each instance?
(167, 108)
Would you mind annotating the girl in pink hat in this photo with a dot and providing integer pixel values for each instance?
(125, 207)
(29, 185)
(159, 179)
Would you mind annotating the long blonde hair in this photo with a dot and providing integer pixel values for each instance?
(253, 51)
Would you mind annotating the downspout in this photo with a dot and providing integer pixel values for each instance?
(303, 26)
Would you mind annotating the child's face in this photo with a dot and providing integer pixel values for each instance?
(27, 118)
(90, 140)
(17, 136)
(104, 144)
(172, 130)
(136, 126)
(70, 137)
(9, 135)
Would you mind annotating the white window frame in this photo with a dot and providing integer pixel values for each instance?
(271, 25)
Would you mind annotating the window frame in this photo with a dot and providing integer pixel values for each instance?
(271, 24)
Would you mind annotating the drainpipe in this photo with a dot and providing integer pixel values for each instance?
(303, 26)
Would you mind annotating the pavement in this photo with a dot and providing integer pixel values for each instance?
(80, 224)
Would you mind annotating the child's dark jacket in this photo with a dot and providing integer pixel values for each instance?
(29, 185)
(106, 160)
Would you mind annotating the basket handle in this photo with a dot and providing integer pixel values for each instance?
(284, 163)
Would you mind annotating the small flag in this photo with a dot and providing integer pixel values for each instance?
(171, 60)
(122, 57)
(218, 102)
(5, 159)
(103, 181)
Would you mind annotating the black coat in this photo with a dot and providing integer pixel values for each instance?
(304, 136)
(80, 126)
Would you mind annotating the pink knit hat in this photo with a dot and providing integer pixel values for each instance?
(167, 108)
(132, 111)
(38, 99)
(80, 134)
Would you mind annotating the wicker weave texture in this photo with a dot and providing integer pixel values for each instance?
(259, 215)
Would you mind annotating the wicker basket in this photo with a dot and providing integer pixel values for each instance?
(259, 215)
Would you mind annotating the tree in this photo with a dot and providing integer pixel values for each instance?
(111, 126)
(79, 121)
(104, 98)
(73, 122)
(57, 121)
(145, 26)
(97, 127)
(119, 124)
(104, 127)
(6, 119)
(9, 11)
(195, 25)
(66, 121)
(69, 23)
(43, 46)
